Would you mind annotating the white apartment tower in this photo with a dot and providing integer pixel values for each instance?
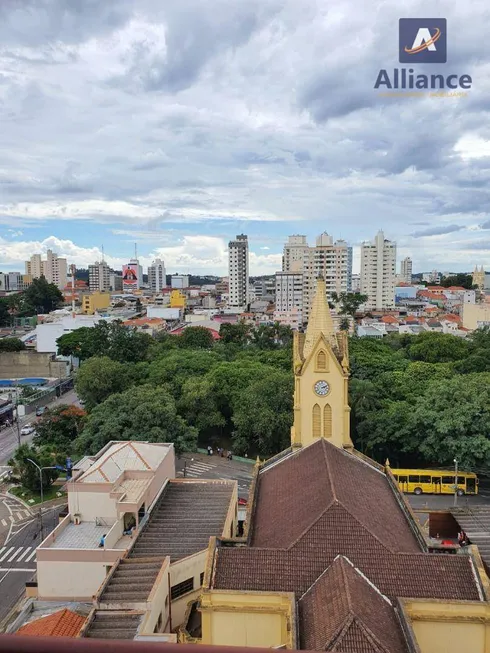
(378, 273)
(157, 276)
(289, 291)
(99, 277)
(54, 269)
(238, 272)
(293, 254)
(406, 269)
(330, 260)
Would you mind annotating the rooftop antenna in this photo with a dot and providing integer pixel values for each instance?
(103, 257)
(73, 271)
(136, 251)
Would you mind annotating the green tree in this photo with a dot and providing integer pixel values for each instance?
(363, 399)
(41, 296)
(79, 344)
(140, 413)
(27, 473)
(5, 317)
(433, 347)
(370, 357)
(263, 417)
(100, 377)
(59, 428)
(348, 304)
(238, 334)
(196, 337)
(460, 279)
(11, 344)
(177, 365)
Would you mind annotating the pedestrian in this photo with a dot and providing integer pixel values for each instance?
(222, 453)
(102, 541)
(210, 451)
(230, 455)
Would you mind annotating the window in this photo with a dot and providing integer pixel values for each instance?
(317, 418)
(327, 421)
(402, 479)
(321, 361)
(447, 480)
(414, 478)
(201, 578)
(425, 479)
(182, 588)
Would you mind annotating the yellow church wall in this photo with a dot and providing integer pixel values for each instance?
(307, 417)
(448, 626)
(254, 619)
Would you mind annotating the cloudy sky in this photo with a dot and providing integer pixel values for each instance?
(179, 124)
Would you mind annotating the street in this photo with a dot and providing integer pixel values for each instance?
(17, 557)
(198, 465)
(9, 437)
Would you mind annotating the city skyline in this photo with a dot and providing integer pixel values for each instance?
(119, 128)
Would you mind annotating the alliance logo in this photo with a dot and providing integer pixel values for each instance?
(417, 38)
(422, 41)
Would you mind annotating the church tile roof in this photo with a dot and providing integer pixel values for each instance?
(343, 611)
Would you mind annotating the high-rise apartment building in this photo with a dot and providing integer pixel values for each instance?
(99, 277)
(132, 276)
(406, 269)
(293, 254)
(289, 292)
(238, 272)
(54, 269)
(332, 261)
(157, 276)
(378, 273)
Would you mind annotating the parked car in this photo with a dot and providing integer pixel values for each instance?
(27, 429)
(40, 410)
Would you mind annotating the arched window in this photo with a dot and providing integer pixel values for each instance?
(317, 421)
(321, 361)
(327, 421)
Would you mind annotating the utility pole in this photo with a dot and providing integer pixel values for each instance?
(17, 421)
(455, 482)
(40, 469)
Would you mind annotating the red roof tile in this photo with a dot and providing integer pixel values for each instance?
(64, 623)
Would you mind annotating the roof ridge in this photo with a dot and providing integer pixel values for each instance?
(366, 528)
(307, 528)
(332, 486)
(131, 444)
(340, 632)
(346, 586)
(369, 634)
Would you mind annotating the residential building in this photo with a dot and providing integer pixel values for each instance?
(132, 276)
(238, 273)
(134, 543)
(479, 278)
(223, 286)
(293, 253)
(406, 270)
(432, 277)
(95, 302)
(157, 276)
(292, 318)
(289, 296)
(475, 316)
(332, 557)
(265, 289)
(179, 281)
(115, 281)
(47, 333)
(163, 312)
(54, 269)
(14, 281)
(378, 273)
(178, 299)
(329, 260)
(99, 277)
(356, 283)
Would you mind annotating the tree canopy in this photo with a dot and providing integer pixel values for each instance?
(11, 344)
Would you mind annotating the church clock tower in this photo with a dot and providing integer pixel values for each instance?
(321, 374)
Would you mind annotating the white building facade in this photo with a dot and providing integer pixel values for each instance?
(293, 253)
(99, 277)
(54, 269)
(157, 276)
(406, 270)
(378, 273)
(289, 294)
(238, 269)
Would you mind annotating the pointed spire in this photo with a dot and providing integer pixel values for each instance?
(320, 321)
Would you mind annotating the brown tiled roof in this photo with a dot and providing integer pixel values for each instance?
(300, 490)
(64, 623)
(342, 611)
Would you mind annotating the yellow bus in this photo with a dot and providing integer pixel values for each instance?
(435, 481)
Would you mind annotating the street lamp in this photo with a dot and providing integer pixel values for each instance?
(455, 482)
(40, 469)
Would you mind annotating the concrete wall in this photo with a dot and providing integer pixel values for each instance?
(20, 364)
(92, 502)
(159, 601)
(181, 570)
(475, 313)
(248, 619)
(446, 626)
(70, 580)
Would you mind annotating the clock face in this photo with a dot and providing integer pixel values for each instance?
(322, 388)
